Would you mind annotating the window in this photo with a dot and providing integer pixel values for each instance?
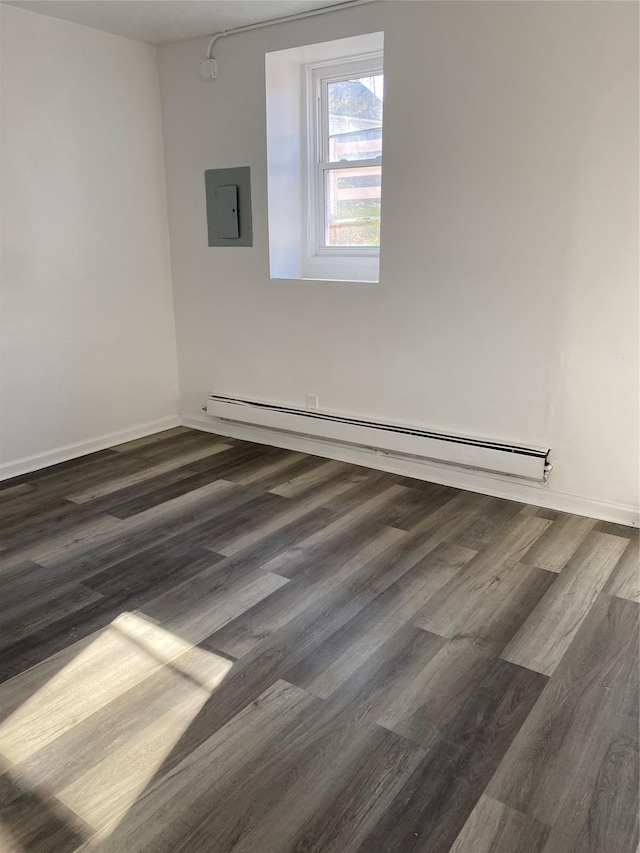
(344, 181)
(324, 159)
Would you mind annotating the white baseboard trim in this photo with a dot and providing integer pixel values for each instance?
(82, 448)
(487, 484)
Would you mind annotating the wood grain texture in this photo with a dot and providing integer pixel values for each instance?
(211, 646)
(92, 741)
(263, 619)
(147, 472)
(554, 550)
(491, 597)
(432, 807)
(489, 609)
(499, 512)
(335, 660)
(32, 821)
(233, 751)
(438, 693)
(43, 609)
(574, 758)
(625, 578)
(343, 817)
(547, 634)
(493, 827)
(29, 648)
(334, 739)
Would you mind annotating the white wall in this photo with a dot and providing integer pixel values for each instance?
(508, 303)
(88, 337)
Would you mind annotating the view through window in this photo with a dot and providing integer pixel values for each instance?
(349, 159)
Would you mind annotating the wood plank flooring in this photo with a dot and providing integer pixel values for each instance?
(212, 646)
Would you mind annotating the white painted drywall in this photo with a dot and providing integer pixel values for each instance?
(88, 337)
(508, 299)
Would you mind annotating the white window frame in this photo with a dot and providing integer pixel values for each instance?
(290, 159)
(318, 76)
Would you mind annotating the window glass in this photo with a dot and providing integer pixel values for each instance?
(353, 121)
(352, 206)
(354, 112)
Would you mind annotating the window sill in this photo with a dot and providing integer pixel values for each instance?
(322, 268)
(343, 280)
(307, 280)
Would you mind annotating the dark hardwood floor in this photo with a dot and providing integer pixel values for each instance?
(208, 645)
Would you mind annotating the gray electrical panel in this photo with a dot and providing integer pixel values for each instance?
(227, 212)
(228, 193)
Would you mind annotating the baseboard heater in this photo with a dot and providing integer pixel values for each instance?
(530, 463)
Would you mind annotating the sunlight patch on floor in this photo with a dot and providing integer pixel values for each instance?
(125, 653)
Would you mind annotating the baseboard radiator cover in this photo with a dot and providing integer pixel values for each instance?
(519, 461)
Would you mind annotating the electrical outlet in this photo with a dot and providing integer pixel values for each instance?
(312, 401)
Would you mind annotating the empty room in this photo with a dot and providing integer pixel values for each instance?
(319, 426)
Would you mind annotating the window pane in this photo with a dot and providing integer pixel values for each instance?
(355, 118)
(352, 206)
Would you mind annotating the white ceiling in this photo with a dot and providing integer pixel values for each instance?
(163, 21)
